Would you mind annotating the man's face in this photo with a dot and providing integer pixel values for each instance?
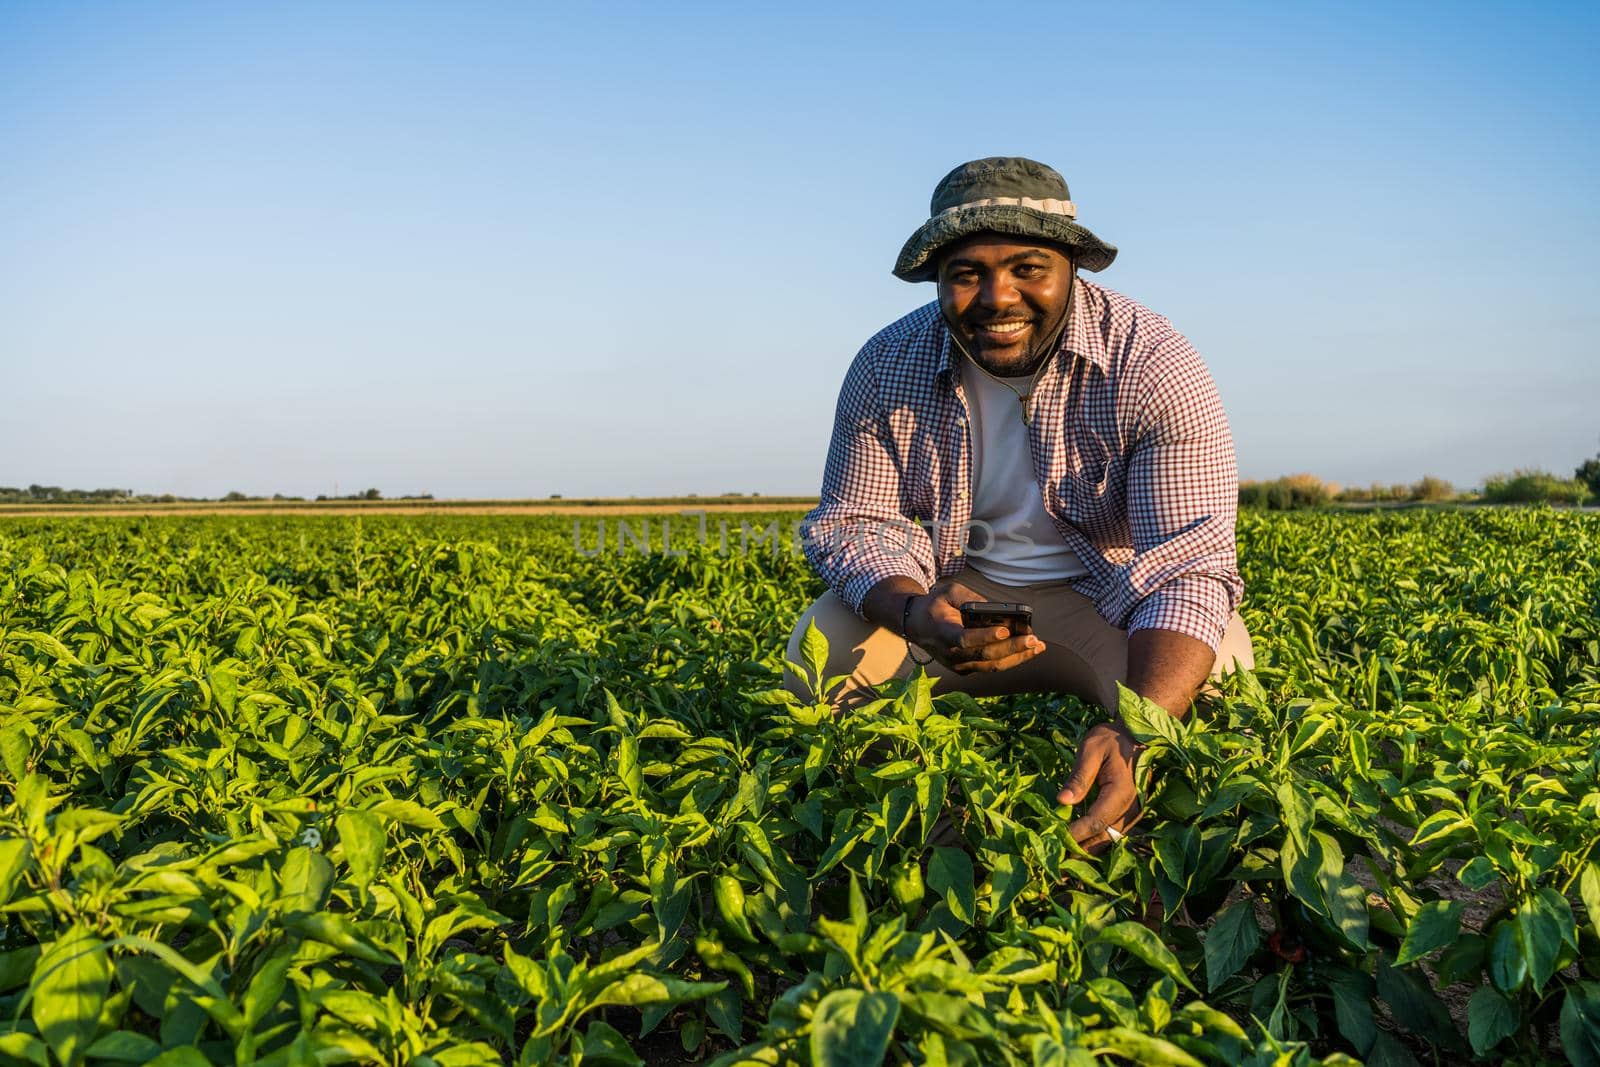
(1005, 299)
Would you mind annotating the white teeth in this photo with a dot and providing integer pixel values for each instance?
(1005, 327)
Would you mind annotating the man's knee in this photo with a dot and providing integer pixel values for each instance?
(866, 653)
(794, 652)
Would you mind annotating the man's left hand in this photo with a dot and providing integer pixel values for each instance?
(1106, 759)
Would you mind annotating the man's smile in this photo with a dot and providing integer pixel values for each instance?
(1008, 332)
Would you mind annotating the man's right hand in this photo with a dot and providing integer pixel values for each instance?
(935, 625)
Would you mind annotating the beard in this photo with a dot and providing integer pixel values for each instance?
(1040, 339)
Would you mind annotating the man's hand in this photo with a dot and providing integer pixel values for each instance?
(1106, 759)
(935, 625)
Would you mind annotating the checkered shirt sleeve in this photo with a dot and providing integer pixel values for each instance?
(859, 534)
(1183, 498)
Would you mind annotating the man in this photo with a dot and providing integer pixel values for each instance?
(1030, 437)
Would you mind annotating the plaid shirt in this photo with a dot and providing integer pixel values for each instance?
(1131, 451)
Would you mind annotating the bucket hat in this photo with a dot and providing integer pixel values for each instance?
(1001, 194)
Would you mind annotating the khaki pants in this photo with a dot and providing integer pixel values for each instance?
(1084, 655)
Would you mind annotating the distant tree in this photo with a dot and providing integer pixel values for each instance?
(1589, 474)
(372, 494)
(555, 496)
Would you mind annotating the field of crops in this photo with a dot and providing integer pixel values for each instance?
(443, 790)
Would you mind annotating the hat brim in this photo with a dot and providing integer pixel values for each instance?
(916, 262)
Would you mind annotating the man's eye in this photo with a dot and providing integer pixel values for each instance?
(1029, 270)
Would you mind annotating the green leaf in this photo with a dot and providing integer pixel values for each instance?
(1491, 1018)
(1007, 878)
(814, 653)
(1508, 964)
(603, 1044)
(1544, 924)
(1589, 893)
(362, 836)
(305, 881)
(266, 985)
(1580, 1024)
(224, 689)
(408, 813)
(950, 876)
(183, 1056)
(1345, 900)
(1477, 872)
(639, 989)
(1144, 1049)
(1298, 810)
(725, 1009)
(342, 934)
(1231, 941)
(1140, 942)
(19, 1047)
(1146, 720)
(124, 1046)
(16, 855)
(627, 765)
(16, 747)
(1352, 1009)
(930, 799)
(1415, 1006)
(852, 1028)
(17, 966)
(68, 990)
(1435, 925)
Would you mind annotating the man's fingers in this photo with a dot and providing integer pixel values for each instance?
(1112, 808)
(1011, 646)
(997, 656)
(1083, 774)
(982, 636)
(991, 666)
(1091, 831)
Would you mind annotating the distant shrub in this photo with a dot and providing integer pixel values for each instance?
(1533, 487)
(1429, 489)
(1288, 493)
(1432, 490)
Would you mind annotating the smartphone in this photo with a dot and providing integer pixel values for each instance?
(1018, 618)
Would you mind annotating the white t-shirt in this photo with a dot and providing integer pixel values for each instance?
(1027, 548)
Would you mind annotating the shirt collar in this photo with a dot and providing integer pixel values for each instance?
(1082, 338)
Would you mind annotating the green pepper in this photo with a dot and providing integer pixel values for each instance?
(730, 905)
(905, 885)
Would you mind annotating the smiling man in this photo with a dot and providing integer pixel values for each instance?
(1035, 438)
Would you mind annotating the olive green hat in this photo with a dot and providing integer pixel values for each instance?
(1001, 194)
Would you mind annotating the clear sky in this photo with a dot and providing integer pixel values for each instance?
(516, 250)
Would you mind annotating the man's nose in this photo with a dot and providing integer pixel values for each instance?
(997, 292)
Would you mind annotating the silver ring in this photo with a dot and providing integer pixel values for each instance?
(1115, 834)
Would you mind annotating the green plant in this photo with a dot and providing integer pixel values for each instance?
(440, 789)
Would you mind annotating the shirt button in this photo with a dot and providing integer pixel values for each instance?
(961, 494)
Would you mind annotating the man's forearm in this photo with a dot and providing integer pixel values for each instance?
(1168, 667)
(885, 603)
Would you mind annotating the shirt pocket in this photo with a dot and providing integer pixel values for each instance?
(1086, 498)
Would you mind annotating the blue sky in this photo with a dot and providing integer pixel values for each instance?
(507, 250)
